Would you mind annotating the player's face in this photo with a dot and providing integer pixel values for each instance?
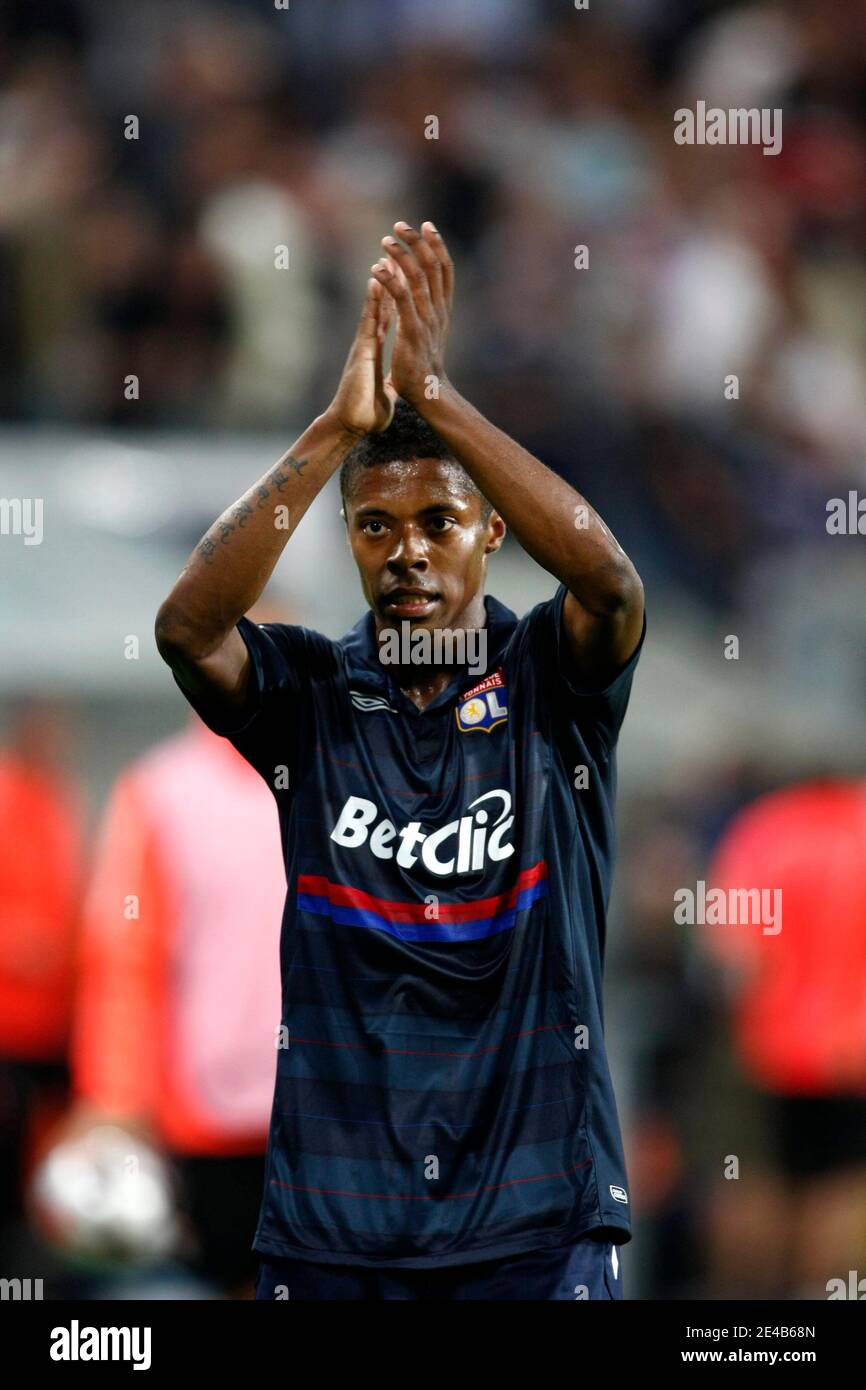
(421, 544)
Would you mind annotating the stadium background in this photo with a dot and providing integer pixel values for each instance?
(154, 256)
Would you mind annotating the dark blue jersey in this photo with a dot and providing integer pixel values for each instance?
(442, 1091)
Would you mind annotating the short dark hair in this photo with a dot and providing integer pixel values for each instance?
(408, 436)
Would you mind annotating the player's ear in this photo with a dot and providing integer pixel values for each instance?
(496, 533)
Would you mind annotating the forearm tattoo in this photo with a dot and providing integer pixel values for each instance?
(236, 518)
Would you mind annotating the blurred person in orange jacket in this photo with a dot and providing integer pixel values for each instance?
(799, 1028)
(40, 874)
(173, 1048)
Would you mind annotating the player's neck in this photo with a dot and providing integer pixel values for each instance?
(421, 683)
(422, 689)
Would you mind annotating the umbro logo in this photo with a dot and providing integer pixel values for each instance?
(368, 703)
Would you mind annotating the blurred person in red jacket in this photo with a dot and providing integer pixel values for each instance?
(799, 1031)
(40, 874)
(173, 1051)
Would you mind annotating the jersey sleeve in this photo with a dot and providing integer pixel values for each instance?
(539, 650)
(286, 662)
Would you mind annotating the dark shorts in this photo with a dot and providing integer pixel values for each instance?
(221, 1196)
(589, 1268)
(815, 1136)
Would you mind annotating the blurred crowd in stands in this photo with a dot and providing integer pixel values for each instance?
(307, 127)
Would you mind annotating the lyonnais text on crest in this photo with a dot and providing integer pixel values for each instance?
(489, 683)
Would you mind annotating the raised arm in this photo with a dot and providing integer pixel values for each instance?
(195, 628)
(603, 612)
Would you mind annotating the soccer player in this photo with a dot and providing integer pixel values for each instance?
(443, 1124)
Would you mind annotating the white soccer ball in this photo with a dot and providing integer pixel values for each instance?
(106, 1193)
